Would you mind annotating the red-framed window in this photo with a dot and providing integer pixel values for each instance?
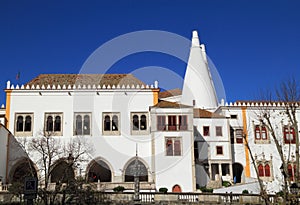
(264, 170)
(239, 136)
(182, 122)
(261, 172)
(161, 122)
(289, 135)
(291, 171)
(206, 131)
(261, 132)
(267, 170)
(257, 132)
(172, 122)
(219, 150)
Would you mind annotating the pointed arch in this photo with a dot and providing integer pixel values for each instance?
(62, 172)
(22, 168)
(99, 169)
(129, 170)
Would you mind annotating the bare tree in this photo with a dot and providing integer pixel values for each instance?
(46, 150)
(272, 116)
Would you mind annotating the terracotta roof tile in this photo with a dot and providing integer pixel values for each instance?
(167, 104)
(200, 113)
(170, 93)
(85, 79)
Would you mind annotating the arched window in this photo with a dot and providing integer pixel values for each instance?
(20, 124)
(137, 168)
(267, 170)
(27, 123)
(143, 122)
(78, 125)
(115, 123)
(86, 125)
(261, 170)
(135, 122)
(264, 135)
(257, 132)
(49, 124)
(57, 124)
(107, 123)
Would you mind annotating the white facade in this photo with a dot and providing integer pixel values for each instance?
(180, 146)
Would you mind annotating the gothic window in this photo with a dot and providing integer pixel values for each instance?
(82, 124)
(261, 172)
(20, 124)
(261, 134)
(139, 123)
(265, 170)
(111, 123)
(173, 146)
(289, 135)
(53, 123)
(23, 126)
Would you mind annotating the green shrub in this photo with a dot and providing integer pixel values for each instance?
(119, 189)
(245, 191)
(163, 190)
(207, 190)
(226, 183)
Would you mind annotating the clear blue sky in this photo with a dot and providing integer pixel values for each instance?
(254, 44)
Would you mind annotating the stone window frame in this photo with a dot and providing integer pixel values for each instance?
(139, 130)
(263, 163)
(173, 140)
(83, 115)
(24, 133)
(54, 115)
(111, 116)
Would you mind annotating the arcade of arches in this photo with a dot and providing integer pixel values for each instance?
(98, 170)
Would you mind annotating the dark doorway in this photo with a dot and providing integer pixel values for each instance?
(237, 172)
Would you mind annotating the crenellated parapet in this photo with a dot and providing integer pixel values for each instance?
(10, 86)
(256, 104)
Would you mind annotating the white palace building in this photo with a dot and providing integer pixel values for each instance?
(183, 139)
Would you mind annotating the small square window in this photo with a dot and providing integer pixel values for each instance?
(219, 150)
(205, 130)
(233, 116)
(219, 131)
